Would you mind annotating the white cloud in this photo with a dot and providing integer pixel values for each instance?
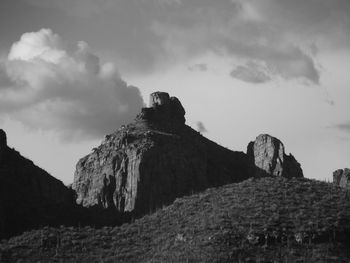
(42, 45)
(70, 92)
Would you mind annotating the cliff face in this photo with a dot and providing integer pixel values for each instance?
(341, 177)
(153, 160)
(157, 158)
(24, 190)
(267, 158)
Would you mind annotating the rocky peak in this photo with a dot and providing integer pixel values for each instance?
(157, 158)
(341, 177)
(267, 157)
(158, 98)
(3, 139)
(153, 160)
(163, 110)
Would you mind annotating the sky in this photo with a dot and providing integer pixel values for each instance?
(72, 71)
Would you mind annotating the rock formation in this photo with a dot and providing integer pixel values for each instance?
(3, 144)
(24, 188)
(341, 177)
(164, 112)
(267, 157)
(153, 160)
(3, 139)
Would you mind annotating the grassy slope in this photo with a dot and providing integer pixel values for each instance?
(262, 220)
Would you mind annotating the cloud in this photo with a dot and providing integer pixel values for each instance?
(281, 34)
(343, 127)
(251, 72)
(237, 32)
(67, 90)
(200, 127)
(5, 81)
(198, 67)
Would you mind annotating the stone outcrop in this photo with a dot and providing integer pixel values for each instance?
(341, 177)
(3, 144)
(165, 112)
(267, 158)
(24, 189)
(3, 139)
(152, 161)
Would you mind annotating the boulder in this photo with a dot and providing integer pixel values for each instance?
(153, 160)
(341, 177)
(267, 157)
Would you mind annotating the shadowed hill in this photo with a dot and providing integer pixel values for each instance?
(258, 220)
(27, 192)
(137, 169)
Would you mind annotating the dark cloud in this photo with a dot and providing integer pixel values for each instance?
(251, 72)
(237, 30)
(146, 34)
(70, 92)
(319, 19)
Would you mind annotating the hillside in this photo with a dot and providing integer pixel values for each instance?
(258, 220)
(137, 169)
(29, 195)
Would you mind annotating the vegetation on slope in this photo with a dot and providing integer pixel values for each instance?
(258, 220)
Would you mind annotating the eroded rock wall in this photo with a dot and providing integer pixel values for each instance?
(267, 158)
(153, 160)
(341, 177)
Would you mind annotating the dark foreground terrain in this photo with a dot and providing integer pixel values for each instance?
(258, 220)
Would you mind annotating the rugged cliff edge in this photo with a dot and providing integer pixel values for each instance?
(26, 190)
(267, 158)
(156, 158)
(341, 177)
(153, 160)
